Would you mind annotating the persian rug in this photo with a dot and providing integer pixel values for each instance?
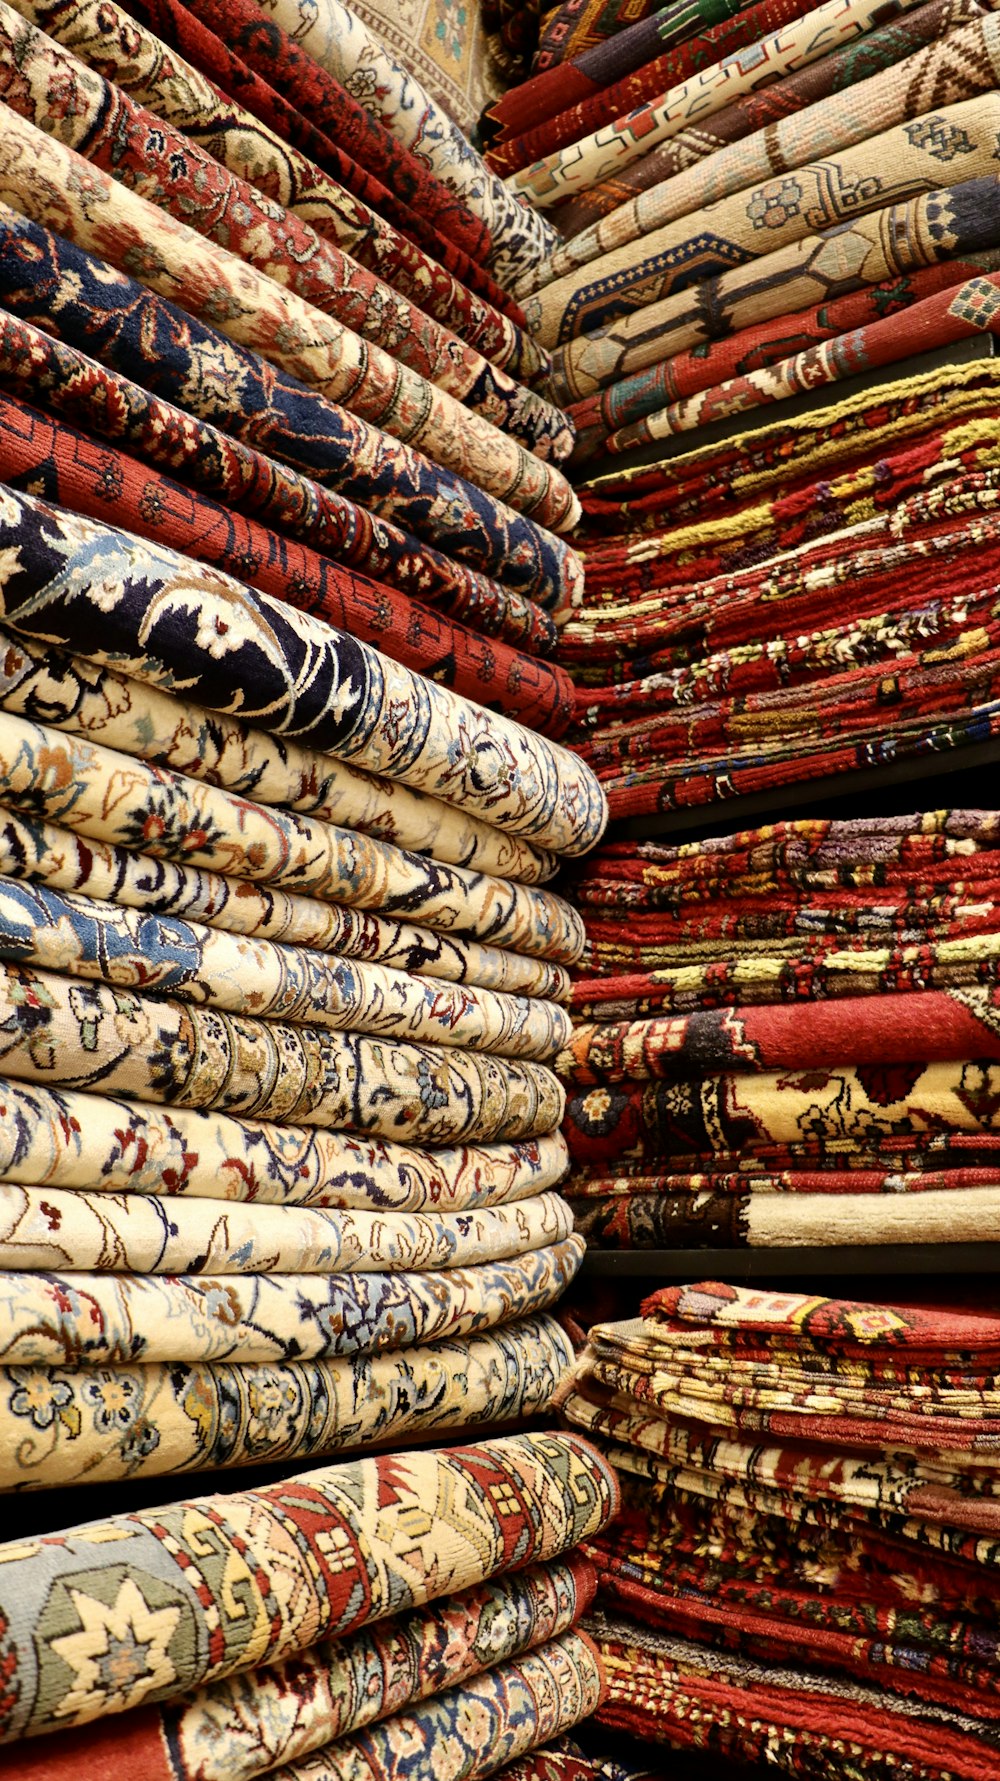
(215, 1586)
(50, 88)
(167, 351)
(88, 1035)
(89, 1231)
(103, 1320)
(343, 46)
(469, 1731)
(284, 60)
(234, 1729)
(657, 76)
(842, 69)
(47, 853)
(580, 77)
(605, 419)
(614, 146)
(90, 476)
(938, 224)
(678, 1692)
(510, 28)
(309, 680)
(116, 412)
(445, 46)
(215, 98)
(178, 818)
(949, 70)
(65, 1139)
(69, 1425)
(160, 727)
(299, 339)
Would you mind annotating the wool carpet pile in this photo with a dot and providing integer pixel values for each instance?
(804, 601)
(283, 565)
(789, 1035)
(804, 1569)
(390, 1617)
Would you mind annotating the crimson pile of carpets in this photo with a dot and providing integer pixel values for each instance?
(799, 192)
(804, 1570)
(395, 1617)
(788, 1036)
(281, 979)
(807, 601)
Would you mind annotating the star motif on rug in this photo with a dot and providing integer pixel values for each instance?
(119, 1652)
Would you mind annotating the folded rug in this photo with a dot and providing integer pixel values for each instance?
(469, 1731)
(208, 1588)
(578, 25)
(948, 70)
(938, 224)
(344, 47)
(855, 61)
(48, 280)
(219, 101)
(136, 148)
(135, 881)
(631, 136)
(307, 678)
(663, 71)
(116, 411)
(100, 1320)
(751, 1220)
(235, 1729)
(160, 727)
(74, 1424)
(61, 1138)
(298, 338)
(167, 814)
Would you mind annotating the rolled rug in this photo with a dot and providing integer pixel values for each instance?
(313, 1558)
(232, 1730)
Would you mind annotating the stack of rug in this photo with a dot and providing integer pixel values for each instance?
(390, 1618)
(718, 166)
(804, 1571)
(790, 1036)
(811, 600)
(276, 1015)
(280, 977)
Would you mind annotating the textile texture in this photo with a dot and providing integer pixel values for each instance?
(834, 1457)
(757, 1057)
(314, 1558)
